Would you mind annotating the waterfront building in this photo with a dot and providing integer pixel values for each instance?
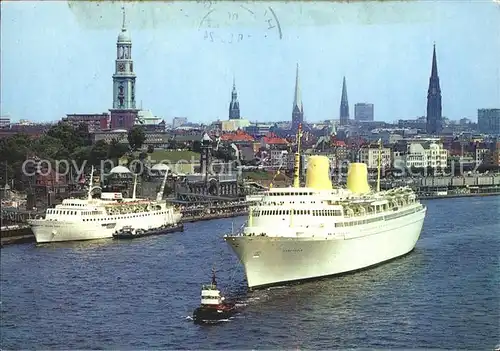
(370, 154)
(213, 179)
(344, 105)
(298, 108)
(124, 112)
(434, 121)
(363, 112)
(488, 120)
(420, 153)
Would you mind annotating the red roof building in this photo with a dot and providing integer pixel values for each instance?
(272, 139)
(237, 137)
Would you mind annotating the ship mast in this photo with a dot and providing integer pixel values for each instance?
(214, 281)
(159, 196)
(379, 163)
(296, 166)
(91, 184)
(135, 187)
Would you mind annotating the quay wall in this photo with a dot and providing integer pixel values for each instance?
(449, 196)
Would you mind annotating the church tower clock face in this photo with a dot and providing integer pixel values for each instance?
(124, 76)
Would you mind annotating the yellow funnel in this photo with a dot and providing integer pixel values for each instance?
(318, 173)
(357, 178)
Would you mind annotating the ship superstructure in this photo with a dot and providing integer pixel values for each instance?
(306, 232)
(85, 219)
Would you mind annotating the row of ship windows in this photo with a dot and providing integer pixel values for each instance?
(290, 194)
(73, 213)
(334, 213)
(298, 212)
(87, 213)
(122, 217)
(272, 203)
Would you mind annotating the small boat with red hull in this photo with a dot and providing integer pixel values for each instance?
(214, 307)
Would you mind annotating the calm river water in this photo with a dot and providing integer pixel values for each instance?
(139, 294)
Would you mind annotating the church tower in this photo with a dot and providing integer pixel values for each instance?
(234, 105)
(298, 108)
(124, 112)
(434, 113)
(344, 106)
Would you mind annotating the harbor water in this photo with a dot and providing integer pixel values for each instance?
(139, 294)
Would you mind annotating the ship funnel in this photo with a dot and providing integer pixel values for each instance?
(318, 173)
(357, 178)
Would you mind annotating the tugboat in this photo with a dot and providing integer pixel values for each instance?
(213, 306)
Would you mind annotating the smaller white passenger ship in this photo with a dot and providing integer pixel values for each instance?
(87, 219)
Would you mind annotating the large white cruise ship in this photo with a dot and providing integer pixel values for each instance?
(299, 233)
(86, 219)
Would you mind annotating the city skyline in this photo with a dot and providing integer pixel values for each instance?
(197, 77)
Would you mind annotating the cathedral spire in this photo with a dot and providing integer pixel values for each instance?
(344, 105)
(434, 70)
(434, 108)
(298, 108)
(234, 105)
(297, 97)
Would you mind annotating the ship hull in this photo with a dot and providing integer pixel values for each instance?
(275, 260)
(54, 231)
(212, 314)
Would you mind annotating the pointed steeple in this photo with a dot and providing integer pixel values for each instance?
(434, 71)
(434, 108)
(298, 108)
(234, 93)
(344, 105)
(297, 97)
(234, 105)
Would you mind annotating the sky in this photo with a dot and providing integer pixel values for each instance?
(58, 57)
